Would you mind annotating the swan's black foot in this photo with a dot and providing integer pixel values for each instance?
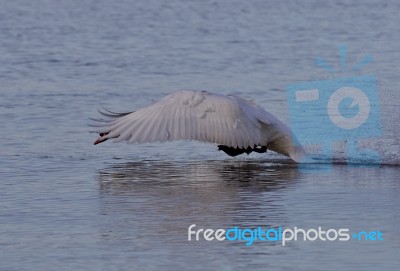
(231, 151)
(260, 149)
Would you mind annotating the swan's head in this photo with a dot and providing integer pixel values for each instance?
(290, 146)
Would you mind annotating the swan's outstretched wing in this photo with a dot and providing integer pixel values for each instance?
(190, 115)
(199, 115)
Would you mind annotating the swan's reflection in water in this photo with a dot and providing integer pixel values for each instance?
(156, 201)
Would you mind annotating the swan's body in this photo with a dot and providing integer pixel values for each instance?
(236, 125)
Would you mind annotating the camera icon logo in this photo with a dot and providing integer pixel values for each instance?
(358, 97)
(343, 109)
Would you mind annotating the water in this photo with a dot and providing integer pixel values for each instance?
(69, 204)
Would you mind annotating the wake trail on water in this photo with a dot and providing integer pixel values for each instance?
(351, 160)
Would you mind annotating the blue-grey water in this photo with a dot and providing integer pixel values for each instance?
(68, 205)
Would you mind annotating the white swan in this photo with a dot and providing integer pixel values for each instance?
(236, 125)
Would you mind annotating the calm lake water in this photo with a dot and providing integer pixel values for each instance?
(68, 205)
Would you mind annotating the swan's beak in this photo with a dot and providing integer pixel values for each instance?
(299, 155)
